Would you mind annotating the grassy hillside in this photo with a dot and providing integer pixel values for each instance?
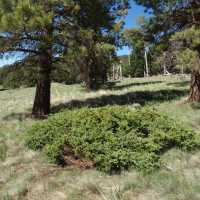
(25, 174)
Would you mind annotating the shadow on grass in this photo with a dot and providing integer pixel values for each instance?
(195, 105)
(18, 116)
(180, 84)
(139, 97)
(113, 86)
(3, 89)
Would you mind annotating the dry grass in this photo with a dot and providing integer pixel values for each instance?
(27, 175)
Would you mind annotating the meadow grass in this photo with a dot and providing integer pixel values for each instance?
(27, 175)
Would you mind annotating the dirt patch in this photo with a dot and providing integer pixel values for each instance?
(70, 159)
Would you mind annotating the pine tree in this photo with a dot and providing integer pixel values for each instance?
(134, 38)
(37, 30)
(46, 30)
(100, 31)
(181, 18)
(190, 47)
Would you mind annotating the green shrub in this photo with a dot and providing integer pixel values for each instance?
(115, 138)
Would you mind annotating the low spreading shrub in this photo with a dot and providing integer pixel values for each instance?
(114, 138)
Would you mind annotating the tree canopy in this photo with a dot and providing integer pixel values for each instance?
(178, 24)
(48, 30)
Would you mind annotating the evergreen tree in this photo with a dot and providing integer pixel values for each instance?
(190, 48)
(135, 39)
(181, 18)
(37, 29)
(47, 29)
(100, 33)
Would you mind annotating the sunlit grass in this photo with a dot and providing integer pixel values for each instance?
(25, 174)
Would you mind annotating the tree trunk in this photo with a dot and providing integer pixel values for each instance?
(195, 87)
(91, 81)
(41, 105)
(90, 72)
(104, 74)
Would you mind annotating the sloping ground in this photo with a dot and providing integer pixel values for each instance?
(27, 175)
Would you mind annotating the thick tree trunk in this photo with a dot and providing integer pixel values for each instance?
(104, 77)
(194, 95)
(41, 105)
(90, 72)
(90, 80)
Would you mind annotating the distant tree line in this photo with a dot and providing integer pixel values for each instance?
(172, 34)
(161, 56)
(175, 27)
(24, 74)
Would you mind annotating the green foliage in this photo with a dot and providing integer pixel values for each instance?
(187, 51)
(135, 39)
(25, 75)
(187, 59)
(16, 76)
(115, 138)
(181, 28)
(55, 29)
(190, 36)
(126, 68)
(99, 53)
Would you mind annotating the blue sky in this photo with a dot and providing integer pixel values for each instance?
(130, 22)
(6, 60)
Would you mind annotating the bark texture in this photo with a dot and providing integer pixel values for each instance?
(194, 95)
(41, 105)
